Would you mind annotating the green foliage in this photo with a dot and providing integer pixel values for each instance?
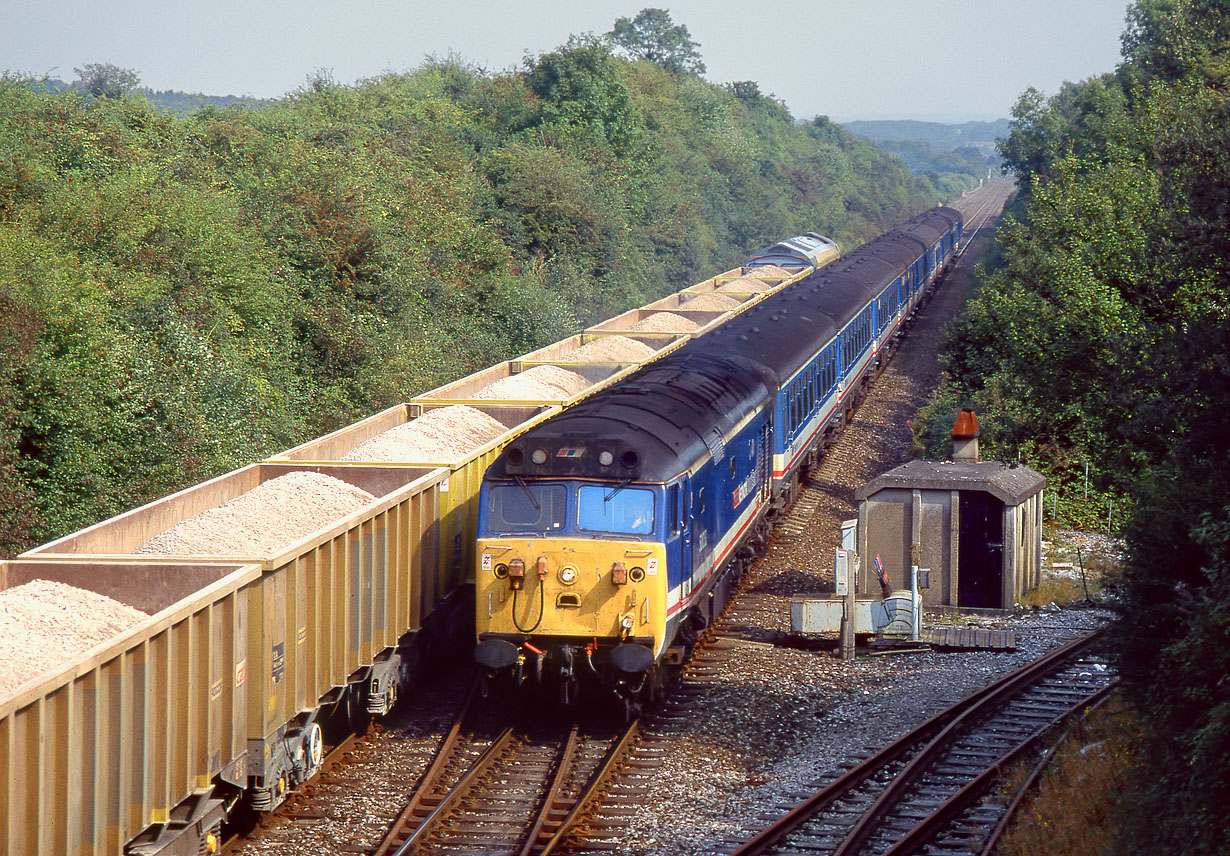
(1104, 336)
(1087, 121)
(582, 92)
(1175, 39)
(104, 80)
(180, 295)
(654, 37)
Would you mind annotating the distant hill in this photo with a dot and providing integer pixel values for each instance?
(935, 149)
(187, 102)
(937, 136)
(171, 100)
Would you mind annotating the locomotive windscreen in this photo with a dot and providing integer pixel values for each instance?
(623, 511)
(528, 507)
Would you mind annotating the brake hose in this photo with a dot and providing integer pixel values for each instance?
(542, 607)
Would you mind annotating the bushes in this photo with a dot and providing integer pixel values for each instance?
(1104, 337)
(189, 293)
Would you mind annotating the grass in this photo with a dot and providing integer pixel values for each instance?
(1062, 580)
(1072, 811)
(1060, 590)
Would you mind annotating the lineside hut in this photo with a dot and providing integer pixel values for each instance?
(977, 526)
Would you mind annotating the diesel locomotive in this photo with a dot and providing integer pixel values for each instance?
(611, 534)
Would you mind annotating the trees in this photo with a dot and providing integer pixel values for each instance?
(1105, 336)
(654, 37)
(182, 294)
(104, 80)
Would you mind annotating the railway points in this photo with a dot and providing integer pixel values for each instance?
(310, 812)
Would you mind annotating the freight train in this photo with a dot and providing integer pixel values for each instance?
(241, 653)
(612, 533)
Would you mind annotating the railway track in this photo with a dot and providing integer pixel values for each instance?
(752, 627)
(598, 820)
(926, 792)
(980, 206)
(514, 793)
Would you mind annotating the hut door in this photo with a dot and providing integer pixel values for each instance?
(980, 561)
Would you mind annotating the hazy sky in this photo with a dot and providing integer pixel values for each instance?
(943, 60)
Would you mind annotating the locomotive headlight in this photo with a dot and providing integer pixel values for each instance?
(606, 458)
(637, 575)
(539, 456)
(567, 575)
(500, 571)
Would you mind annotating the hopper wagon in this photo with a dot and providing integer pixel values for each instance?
(214, 698)
(147, 742)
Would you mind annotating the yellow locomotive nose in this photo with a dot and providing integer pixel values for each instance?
(577, 589)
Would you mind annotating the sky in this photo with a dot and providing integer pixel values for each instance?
(932, 60)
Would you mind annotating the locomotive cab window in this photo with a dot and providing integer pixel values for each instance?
(622, 511)
(528, 507)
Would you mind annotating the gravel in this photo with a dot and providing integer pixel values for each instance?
(712, 303)
(775, 721)
(541, 383)
(665, 322)
(44, 624)
(745, 285)
(769, 271)
(442, 434)
(614, 348)
(262, 521)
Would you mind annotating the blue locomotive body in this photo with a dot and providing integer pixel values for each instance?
(710, 441)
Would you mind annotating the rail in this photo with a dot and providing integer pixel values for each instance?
(924, 748)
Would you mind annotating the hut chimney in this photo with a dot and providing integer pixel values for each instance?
(965, 437)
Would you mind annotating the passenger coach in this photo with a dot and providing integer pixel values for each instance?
(613, 532)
